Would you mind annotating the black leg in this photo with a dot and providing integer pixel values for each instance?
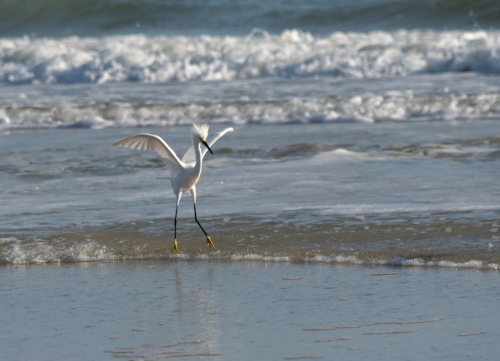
(175, 249)
(196, 219)
(175, 223)
(209, 240)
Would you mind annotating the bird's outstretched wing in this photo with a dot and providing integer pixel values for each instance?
(153, 142)
(190, 156)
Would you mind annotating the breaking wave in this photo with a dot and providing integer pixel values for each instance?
(396, 106)
(15, 251)
(293, 53)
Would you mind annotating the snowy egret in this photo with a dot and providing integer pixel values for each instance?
(184, 173)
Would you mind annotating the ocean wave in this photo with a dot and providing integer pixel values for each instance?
(293, 53)
(15, 251)
(403, 106)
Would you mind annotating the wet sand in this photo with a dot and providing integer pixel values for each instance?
(157, 310)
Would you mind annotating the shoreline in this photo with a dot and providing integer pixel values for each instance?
(396, 263)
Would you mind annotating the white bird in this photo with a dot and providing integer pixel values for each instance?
(184, 173)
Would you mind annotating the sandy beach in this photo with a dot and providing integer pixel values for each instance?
(157, 310)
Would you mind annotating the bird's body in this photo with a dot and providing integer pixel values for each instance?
(185, 173)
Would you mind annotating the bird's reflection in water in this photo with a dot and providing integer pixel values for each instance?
(196, 314)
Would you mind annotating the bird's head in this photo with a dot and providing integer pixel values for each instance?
(199, 133)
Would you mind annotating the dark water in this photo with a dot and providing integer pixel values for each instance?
(219, 17)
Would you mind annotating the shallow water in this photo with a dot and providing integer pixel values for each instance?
(413, 193)
(157, 310)
(375, 147)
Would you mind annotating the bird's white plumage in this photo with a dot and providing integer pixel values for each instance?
(177, 167)
(153, 142)
(190, 155)
(200, 130)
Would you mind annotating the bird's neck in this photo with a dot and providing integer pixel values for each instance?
(199, 158)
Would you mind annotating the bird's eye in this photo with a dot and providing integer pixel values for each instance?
(203, 140)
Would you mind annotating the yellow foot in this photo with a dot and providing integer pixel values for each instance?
(175, 249)
(209, 243)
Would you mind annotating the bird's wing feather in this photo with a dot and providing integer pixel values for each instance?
(190, 156)
(153, 142)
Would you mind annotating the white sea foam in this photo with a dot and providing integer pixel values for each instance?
(8, 240)
(19, 252)
(250, 256)
(277, 258)
(335, 259)
(402, 261)
(468, 264)
(342, 153)
(292, 53)
(4, 119)
(42, 252)
(257, 257)
(368, 108)
(90, 123)
(179, 256)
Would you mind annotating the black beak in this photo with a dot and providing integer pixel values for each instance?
(206, 145)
